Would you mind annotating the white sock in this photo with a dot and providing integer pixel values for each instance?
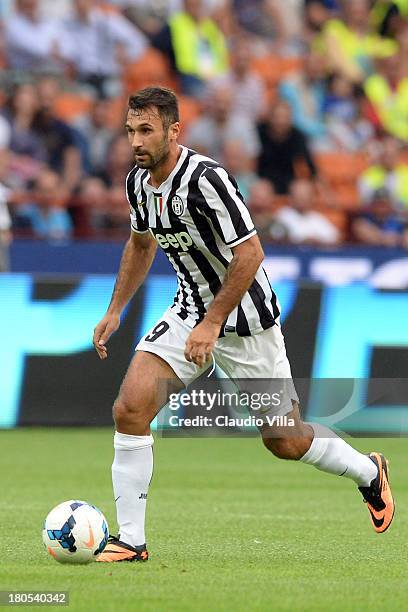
(330, 453)
(132, 470)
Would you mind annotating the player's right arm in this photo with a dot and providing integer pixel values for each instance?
(137, 258)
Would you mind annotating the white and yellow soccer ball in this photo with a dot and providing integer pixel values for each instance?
(75, 532)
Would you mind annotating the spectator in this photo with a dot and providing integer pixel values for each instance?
(283, 149)
(247, 88)
(101, 207)
(305, 93)
(32, 42)
(379, 225)
(387, 94)
(390, 172)
(95, 130)
(99, 45)
(62, 143)
(44, 213)
(240, 166)
(264, 18)
(116, 217)
(302, 224)
(149, 16)
(28, 150)
(350, 45)
(261, 203)
(339, 102)
(92, 160)
(219, 125)
(5, 219)
(119, 162)
(316, 14)
(386, 16)
(195, 46)
(20, 112)
(342, 107)
(87, 208)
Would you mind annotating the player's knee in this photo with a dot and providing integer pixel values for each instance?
(130, 417)
(286, 448)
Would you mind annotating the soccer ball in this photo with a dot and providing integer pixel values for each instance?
(75, 532)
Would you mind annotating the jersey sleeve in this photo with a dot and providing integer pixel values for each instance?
(223, 204)
(137, 222)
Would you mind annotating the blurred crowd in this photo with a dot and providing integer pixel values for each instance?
(305, 102)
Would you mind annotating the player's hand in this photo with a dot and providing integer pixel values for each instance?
(103, 331)
(201, 342)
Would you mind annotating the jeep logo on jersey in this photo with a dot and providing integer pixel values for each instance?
(177, 205)
(179, 241)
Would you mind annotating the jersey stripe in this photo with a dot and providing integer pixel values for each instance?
(178, 226)
(258, 297)
(199, 306)
(185, 290)
(241, 220)
(274, 299)
(144, 177)
(195, 201)
(132, 199)
(242, 327)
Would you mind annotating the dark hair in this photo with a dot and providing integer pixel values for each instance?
(162, 98)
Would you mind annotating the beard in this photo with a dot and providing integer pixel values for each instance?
(153, 160)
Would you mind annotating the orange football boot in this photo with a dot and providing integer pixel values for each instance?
(378, 496)
(116, 551)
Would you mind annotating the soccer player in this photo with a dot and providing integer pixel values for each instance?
(224, 309)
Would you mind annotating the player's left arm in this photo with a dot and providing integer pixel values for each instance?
(247, 258)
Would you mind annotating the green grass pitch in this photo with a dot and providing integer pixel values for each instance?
(229, 527)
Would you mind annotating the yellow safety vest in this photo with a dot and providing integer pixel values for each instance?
(355, 46)
(375, 178)
(189, 37)
(380, 10)
(402, 6)
(390, 106)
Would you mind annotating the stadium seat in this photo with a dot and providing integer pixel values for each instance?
(341, 167)
(342, 170)
(151, 69)
(272, 69)
(348, 197)
(70, 105)
(337, 217)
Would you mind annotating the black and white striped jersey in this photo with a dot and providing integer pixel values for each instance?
(197, 215)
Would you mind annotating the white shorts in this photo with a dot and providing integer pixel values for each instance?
(243, 359)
